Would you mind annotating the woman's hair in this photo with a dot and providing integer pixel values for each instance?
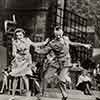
(19, 30)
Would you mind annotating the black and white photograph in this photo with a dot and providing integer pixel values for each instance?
(49, 49)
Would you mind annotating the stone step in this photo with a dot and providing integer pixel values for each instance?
(73, 94)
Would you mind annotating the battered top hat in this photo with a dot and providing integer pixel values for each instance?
(19, 30)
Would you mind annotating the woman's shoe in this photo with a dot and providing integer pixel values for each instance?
(28, 93)
(1, 92)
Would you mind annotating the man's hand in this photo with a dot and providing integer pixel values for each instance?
(37, 49)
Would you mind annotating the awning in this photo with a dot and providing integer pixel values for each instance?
(96, 59)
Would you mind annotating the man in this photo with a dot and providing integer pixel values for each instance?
(84, 82)
(60, 46)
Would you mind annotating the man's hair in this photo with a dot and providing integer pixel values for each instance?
(57, 28)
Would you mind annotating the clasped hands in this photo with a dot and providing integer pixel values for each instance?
(88, 46)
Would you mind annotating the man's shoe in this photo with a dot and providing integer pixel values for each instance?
(89, 93)
(97, 98)
(38, 98)
(64, 98)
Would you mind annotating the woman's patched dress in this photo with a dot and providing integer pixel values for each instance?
(21, 64)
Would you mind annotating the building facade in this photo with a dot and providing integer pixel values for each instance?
(38, 18)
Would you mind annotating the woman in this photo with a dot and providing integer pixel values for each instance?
(21, 64)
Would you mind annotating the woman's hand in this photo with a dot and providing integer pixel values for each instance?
(39, 44)
(46, 41)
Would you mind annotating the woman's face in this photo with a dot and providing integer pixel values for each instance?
(19, 35)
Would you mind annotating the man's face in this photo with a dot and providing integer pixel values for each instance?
(58, 33)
